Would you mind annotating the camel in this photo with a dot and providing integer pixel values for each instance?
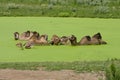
(73, 40)
(20, 45)
(55, 40)
(86, 40)
(97, 39)
(64, 40)
(43, 40)
(24, 36)
(37, 40)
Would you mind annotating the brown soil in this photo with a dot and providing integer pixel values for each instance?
(9, 74)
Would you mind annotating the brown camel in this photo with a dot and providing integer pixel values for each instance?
(20, 45)
(86, 40)
(37, 40)
(43, 40)
(73, 40)
(97, 39)
(24, 36)
(64, 40)
(55, 40)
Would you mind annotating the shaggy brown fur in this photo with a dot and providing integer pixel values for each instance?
(35, 36)
(24, 36)
(73, 40)
(97, 39)
(55, 40)
(86, 40)
(64, 40)
(20, 45)
(28, 44)
(43, 40)
(37, 40)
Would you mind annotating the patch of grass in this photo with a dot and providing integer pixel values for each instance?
(78, 66)
(113, 71)
(60, 8)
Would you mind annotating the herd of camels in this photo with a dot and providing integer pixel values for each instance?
(33, 38)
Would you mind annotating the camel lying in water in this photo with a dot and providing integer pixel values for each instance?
(87, 40)
(55, 40)
(35, 39)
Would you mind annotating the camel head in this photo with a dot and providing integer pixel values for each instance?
(44, 36)
(27, 33)
(64, 40)
(35, 35)
(55, 40)
(73, 40)
(16, 35)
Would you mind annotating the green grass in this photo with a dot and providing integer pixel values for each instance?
(78, 66)
(80, 27)
(60, 8)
